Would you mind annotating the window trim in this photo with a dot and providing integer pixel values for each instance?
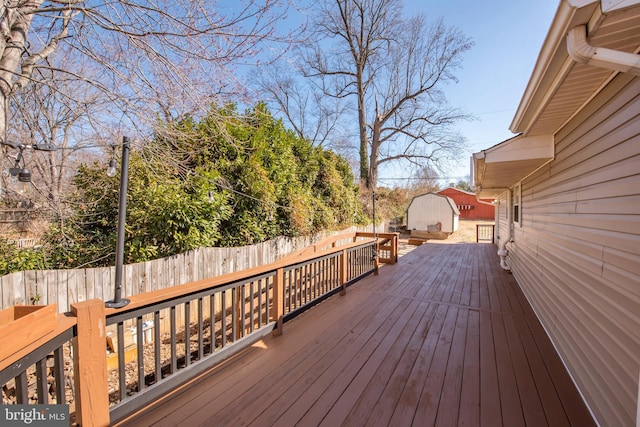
(516, 204)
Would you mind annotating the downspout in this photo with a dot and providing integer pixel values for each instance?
(582, 52)
(502, 251)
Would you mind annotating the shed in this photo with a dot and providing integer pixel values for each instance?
(432, 213)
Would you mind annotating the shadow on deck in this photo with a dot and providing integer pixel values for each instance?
(444, 337)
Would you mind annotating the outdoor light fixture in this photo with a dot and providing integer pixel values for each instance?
(118, 301)
(24, 174)
(111, 170)
(24, 178)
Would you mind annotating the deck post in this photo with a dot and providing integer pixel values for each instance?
(90, 364)
(376, 262)
(239, 326)
(395, 247)
(278, 301)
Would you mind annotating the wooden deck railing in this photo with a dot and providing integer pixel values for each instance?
(484, 232)
(193, 327)
(386, 250)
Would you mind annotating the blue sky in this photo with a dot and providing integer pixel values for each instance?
(508, 36)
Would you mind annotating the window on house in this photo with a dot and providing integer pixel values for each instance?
(515, 197)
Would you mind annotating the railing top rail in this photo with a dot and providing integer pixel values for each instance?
(381, 235)
(178, 291)
(325, 243)
(64, 322)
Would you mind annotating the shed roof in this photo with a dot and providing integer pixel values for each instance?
(448, 199)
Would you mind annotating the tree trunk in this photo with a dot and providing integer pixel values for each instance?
(14, 26)
(362, 124)
(372, 178)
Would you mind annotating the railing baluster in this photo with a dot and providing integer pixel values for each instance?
(140, 346)
(242, 323)
(157, 344)
(326, 276)
(234, 314)
(309, 281)
(252, 309)
(268, 282)
(41, 381)
(212, 323)
(58, 375)
(301, 287)
(293, 278)
(289, 285)
(291, 288)
(122, 380)
(223, 315)
(174, 357)
(187, 333)
(260, 302)
(200, 330)
(316, 279)
(22, 388)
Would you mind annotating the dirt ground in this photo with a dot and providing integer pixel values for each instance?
(466, 231)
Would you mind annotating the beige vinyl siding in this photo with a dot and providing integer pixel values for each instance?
(502, 224)
(577, 253)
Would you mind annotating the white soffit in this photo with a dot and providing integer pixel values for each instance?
(611, 5)
(560, 86)
(507, 163)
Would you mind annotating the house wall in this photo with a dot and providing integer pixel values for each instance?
(501, 231)
(576, 252)
(469, 206)
(429, 209)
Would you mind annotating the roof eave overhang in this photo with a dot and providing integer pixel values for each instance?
(588, 44)
(504, 165)
(567, 46)
(553, 56)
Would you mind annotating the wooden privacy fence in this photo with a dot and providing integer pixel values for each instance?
(65, 287)
(231, 312)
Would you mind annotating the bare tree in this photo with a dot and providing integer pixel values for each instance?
(169, 55)
(396, 69)
(304, 106)
(425, 180)
(64, 114)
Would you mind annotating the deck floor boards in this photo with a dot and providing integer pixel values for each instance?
(445, 338)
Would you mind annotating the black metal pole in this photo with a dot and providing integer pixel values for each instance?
(373, 195)
(375, 235)
(118, 301)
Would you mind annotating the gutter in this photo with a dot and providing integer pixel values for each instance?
(582, 52)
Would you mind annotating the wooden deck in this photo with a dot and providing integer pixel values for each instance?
(445, 337)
